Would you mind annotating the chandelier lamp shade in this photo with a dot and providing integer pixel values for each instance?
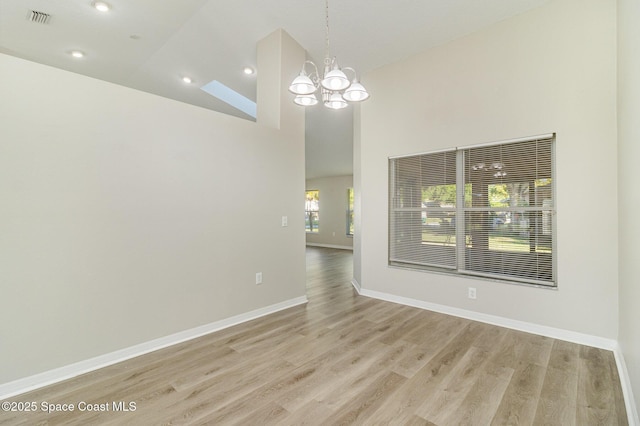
(334, 87)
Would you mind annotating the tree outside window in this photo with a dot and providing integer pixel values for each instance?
(350, 211)
(312, 211)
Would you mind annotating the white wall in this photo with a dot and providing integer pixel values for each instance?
(357, 201)
(552, 69)
(333, 211)
(628, 178)
(127, 217)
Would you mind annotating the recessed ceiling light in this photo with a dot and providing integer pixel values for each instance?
(101, 6)
(248, 70)
(187, 80)
(77, 54)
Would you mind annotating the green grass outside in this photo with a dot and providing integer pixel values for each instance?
(496, 242)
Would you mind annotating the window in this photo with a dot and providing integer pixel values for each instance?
(481, 211)
(350, 211)
(312, 210)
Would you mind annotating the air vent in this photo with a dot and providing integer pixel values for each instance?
(39, 17)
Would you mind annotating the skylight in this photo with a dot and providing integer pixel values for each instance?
(230, 96)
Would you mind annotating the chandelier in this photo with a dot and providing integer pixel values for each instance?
(335, 88)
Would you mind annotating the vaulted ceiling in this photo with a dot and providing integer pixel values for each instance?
(151, 45)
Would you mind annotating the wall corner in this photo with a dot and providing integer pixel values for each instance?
(279, 58)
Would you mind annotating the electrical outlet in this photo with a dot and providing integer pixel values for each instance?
(285, 221)
(258, 278)
(472, 292)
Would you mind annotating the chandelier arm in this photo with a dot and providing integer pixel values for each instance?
(314, 75)
(355, 74)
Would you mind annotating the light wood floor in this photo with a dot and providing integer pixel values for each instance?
(348, 359)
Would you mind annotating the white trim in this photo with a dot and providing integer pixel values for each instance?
(543, 330)
(625, 383)
(46, 378)
(330, 246)
(480, 145)
(508, 141)
(356, 285)
(415, 154)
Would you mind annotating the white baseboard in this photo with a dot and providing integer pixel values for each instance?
(356, 285)
(556, 333)
(330, 246)
(46, 378)
(627, 392)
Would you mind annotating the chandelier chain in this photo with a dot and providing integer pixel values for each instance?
(326, 54)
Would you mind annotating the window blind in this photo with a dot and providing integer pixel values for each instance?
(423, 210)
(508, 217)
(485, 211)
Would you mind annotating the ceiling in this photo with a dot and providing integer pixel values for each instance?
(150, 45)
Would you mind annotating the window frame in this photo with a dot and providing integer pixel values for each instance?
(402, 245)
